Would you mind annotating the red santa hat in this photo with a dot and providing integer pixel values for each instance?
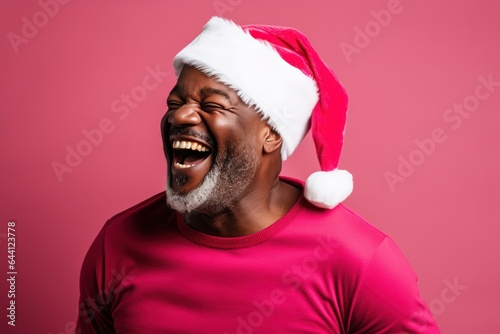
(277, 70)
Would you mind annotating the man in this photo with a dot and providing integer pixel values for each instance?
(239, 249)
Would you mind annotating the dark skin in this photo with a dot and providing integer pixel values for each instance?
(201, 103)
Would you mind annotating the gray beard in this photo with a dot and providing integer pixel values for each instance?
(222, 186)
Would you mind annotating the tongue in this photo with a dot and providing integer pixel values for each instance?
(188, 157)
(193, 160)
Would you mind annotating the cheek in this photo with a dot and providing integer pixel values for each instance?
(234, 133)
(164, 128)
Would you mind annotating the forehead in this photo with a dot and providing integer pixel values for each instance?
(193, 81)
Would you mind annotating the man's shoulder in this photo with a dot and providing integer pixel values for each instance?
(342, 223)
(352, 240)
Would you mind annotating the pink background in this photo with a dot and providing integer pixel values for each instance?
(70, 75)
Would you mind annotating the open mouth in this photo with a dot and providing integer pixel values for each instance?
(187, 153)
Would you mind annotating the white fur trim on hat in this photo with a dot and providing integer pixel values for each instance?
(282, 93)
(328, 189)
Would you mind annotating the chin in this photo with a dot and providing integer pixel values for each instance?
(200, 198)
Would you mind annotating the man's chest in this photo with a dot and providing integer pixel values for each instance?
(270, 294)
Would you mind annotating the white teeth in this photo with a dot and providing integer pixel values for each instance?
(183, 166)
(189, 145)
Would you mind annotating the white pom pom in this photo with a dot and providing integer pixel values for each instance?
(328, 189)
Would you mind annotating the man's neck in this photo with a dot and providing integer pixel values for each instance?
(253, 213)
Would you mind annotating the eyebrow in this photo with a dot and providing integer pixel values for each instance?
(204, 92)
(209, 91)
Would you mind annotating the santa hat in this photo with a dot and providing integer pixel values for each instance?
(277, 70)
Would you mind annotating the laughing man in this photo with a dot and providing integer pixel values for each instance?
(233, 247)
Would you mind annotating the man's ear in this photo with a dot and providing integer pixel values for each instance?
(272, 141)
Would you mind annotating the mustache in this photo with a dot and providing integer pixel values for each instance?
(191, 133)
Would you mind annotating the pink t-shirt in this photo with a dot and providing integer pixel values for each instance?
(312, 271)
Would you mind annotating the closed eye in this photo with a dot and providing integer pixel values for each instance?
(211, 106)
(172, 105)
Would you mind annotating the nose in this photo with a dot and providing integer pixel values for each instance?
(185, 115)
